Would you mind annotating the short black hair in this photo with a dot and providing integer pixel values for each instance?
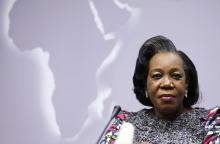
(151, 47)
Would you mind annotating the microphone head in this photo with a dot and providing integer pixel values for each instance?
(115, 111)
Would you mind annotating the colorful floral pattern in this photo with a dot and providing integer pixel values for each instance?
(213, 127)
(112, 132)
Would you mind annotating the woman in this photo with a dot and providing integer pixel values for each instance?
(166, 80)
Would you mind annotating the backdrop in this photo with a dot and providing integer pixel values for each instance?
(66, 63)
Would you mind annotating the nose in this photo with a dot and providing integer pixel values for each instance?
(167, 83)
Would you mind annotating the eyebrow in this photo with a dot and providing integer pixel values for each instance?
(155, 70)
(160, 70)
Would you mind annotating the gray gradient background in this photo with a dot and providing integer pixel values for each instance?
(66, 63)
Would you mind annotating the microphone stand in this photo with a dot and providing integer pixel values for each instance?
(115, 111)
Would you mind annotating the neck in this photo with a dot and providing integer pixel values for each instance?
(169, 114)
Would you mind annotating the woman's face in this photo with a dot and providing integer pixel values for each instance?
(166, 83)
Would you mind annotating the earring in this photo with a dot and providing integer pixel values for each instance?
(186, 94)
(146, 94)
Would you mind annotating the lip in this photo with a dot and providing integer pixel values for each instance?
(166, 97)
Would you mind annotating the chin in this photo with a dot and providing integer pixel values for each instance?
(169, 109)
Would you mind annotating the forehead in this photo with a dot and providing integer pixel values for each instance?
(166, 60)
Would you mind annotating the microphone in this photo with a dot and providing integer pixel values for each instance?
(115, 111)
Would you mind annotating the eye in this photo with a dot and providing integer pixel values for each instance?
(156, 76)
(176, 76)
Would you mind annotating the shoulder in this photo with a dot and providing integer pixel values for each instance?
(200, 112)
(138, 115)
(119, 122)
(213, 126)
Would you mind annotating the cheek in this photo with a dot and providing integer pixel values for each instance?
(148, 86)
(152, 86)
(181, 87)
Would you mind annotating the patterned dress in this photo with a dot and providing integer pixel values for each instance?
(194, 127)
(188, 128)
